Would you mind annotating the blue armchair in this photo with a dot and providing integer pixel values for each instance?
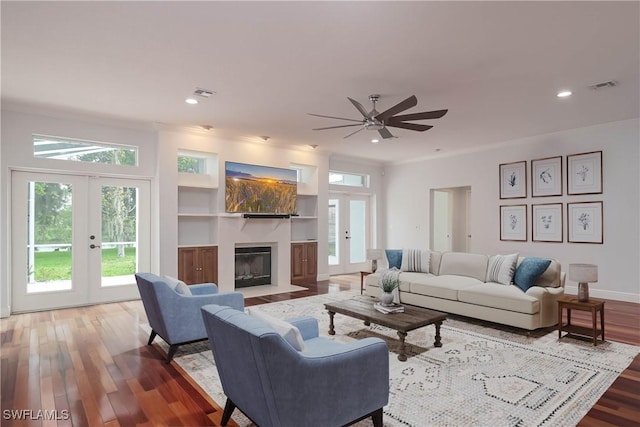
(176, 317)
(325, 384)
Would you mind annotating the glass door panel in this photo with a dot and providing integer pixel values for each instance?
(349, 233)
(334, 227)
(357, 231)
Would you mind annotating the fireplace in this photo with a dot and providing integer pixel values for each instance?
(253, 266)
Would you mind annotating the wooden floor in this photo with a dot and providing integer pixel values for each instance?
(93, 367)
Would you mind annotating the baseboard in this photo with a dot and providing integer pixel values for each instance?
(599, 293)
(5, 311)
(323, 277)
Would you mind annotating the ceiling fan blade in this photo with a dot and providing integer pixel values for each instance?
(360, 108)
(425, 115)
(411, 101)
(353, 133)
(410, 126)
(332, 117)
(384, 132)
(336, 127)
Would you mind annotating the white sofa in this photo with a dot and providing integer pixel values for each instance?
(456, 283)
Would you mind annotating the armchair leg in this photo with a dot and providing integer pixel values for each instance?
(152, 336)
(172, 351)
(376, 417)
(229, 407)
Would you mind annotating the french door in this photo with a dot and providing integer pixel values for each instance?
(77, 240)
(349, 233)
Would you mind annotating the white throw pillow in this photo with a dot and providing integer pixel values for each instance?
(415, 260)
(290, 333)
(502, 268)
(173, 282)
(183, 289)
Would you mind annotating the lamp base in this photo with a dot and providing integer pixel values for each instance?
(374, 265)
(583, 292)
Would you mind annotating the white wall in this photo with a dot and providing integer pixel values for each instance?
(408, 186)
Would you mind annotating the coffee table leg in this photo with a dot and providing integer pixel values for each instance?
(437, 343)
(402, 356)
(331, 330)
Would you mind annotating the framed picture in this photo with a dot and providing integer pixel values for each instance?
(547, 222)
(585, 222)
(584, 173)
(546, 177)
(513, 180)
(513, 223)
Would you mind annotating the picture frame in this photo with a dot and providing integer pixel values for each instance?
(513, 180)
(584, 222)
(546, 177)
(547, 222)
(513, 223)
(584, 173)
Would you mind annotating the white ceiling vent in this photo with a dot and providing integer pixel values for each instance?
(603, 85)
(205, 93)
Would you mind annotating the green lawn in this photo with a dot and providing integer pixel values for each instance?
(57, 265)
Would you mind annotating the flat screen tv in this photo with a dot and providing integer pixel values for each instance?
(260, 189)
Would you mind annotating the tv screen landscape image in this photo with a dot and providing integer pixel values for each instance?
(260, 189)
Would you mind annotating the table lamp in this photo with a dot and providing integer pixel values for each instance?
(583, 274)
(374, 255)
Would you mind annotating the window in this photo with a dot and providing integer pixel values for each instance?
(192, 164)
(76, 150)
(348, 179)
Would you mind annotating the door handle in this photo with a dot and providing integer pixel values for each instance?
(92, 246)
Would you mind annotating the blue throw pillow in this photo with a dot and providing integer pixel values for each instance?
(394, 256)
(529, 270)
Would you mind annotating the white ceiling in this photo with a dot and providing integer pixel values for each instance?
(495, 65)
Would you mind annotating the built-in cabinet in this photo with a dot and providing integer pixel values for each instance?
(304, 263)
(201, 214)
(198, 264)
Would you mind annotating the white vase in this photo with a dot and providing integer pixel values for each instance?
(386, 298)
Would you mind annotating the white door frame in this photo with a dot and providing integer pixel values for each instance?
(86, 281)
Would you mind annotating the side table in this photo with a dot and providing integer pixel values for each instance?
(572, 303)
(362, 276)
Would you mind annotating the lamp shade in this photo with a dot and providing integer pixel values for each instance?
(583, 273)
(374, 254)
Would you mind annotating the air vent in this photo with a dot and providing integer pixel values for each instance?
(205, 93)
(603, 85)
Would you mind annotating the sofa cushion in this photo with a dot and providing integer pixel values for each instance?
(415, 260)
(494, 295)
(501, 268)
(374, 280)
(172, 282)
(464, 264)
(394, 257)
(286, 330)
(552, 276)
(529, 270)
(446, 286)
(183, 289)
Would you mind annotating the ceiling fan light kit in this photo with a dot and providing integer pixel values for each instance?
(374, 120)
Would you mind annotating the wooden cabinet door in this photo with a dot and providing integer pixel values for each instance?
(209, 264)
(311, 263)
(198, 265)
(297, 262)
(188, 265)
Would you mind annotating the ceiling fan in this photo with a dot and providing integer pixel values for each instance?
(374, 120)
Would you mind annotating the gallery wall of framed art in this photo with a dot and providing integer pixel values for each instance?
(582, 219)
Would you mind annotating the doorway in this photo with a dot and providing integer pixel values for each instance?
(451, 219)
(77, 240)
(349, 232)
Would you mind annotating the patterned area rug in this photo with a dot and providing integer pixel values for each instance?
(483, 375)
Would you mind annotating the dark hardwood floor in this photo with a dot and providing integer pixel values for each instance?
(93, 367)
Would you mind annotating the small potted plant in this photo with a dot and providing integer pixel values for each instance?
(388, 283)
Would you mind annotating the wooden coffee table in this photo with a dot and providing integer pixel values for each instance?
(412, 318)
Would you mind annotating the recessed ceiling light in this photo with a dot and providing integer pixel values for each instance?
(313, 146)
(191, 101)
(564, 94)
(265, 138)
(375, 141)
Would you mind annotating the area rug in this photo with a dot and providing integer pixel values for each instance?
(483, 375)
